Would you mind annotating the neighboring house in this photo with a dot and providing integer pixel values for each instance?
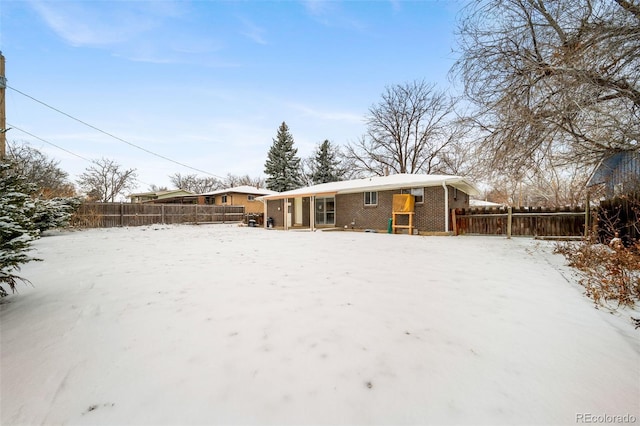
(173, 196)
(619, 173)
(237, 196)
(483, 203)
(367, 204)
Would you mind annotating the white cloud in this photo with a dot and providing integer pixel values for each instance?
(83, 24)
(147, 31)
(330, 14)
(252, 31)
(320, 7)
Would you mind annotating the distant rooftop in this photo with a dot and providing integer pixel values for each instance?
(243, 189)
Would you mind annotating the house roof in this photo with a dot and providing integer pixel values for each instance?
(377, 183)
(244, 189)
(160, 194)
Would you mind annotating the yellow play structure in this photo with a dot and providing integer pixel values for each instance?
(403, 204)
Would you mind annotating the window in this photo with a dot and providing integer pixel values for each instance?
(224, 199)
(418, 193)
(370, 198)
(251, 197)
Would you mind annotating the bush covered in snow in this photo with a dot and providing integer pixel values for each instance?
(23, 216)
(55, 213)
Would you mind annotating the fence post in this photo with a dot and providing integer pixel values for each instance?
(509, 220)
(587, 211)
(121, 215)
(162, 213)
(196, 214)
(453, 221)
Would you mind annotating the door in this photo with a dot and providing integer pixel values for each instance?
(288, 214)
(325, 211)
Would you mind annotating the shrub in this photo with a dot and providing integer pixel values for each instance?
(609, 273)
(86, 218)
(55, 212)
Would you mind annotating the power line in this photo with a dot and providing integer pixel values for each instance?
(50, 143)
(63, 149)
(111, 135)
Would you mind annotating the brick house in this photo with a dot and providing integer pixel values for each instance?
(169, 196)
(367, 204)
(237, 196)
(245, 196)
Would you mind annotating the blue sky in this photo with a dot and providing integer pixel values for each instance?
(207, 83)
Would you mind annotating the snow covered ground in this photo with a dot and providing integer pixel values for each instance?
(220, 324)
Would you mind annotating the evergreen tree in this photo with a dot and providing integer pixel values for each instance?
(16, 227)
(283, 166)
(23, 216)
(325, 166)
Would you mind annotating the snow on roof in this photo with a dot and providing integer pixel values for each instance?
(379, 183)
(159, 193)
(482, 203)
(243, 189)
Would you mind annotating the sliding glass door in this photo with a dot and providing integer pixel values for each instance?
(325, 211)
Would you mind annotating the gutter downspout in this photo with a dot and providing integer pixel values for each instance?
(446, 206)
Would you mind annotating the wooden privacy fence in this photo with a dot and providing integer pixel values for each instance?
(621, 215)
(106, 215)
(524, 221)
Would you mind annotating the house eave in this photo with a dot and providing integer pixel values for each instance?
(372, 185)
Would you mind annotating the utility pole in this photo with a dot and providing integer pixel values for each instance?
(3, 117)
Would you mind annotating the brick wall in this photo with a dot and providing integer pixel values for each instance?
(350, 208)
(429, 215)
(277, 215)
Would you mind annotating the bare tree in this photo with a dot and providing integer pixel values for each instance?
(195, 183)
(233, 180)
(556, 78)
(41, 170)
(156, 188)
(547, 185)
(558, 186)
(408, 131)
(105, 180)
